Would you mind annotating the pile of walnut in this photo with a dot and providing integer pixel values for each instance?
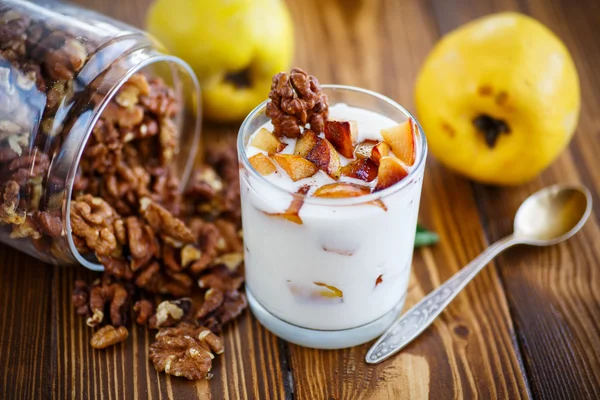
(172, 259)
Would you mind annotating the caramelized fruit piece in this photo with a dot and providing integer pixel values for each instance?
(391, 171)
(331, 291)
(267, 141)
(378, 280)
(292, 212)
(262, 164)
(295, 166)
(340, 190)
(341, 252)
(380, 204)
(364, 148)
(325, 157)
(316, 292)
(363, 169)
(307, 141)
(382, 149)
(372, 149)
(402, 140)
(342, 135)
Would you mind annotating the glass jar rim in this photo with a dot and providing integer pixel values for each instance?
(347, 201)
(155, 58)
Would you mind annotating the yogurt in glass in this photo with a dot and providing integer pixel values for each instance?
(336, 273)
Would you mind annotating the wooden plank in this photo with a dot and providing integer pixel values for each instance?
(552, 295)
(577, 24)
(131, 11)
(122, 371)
(251, 367)
(469, 350)
(25, 334)
(552, 292)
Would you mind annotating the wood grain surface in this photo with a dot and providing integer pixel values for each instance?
(527, 326)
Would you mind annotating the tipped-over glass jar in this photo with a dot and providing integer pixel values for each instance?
(328, 272)
(77, 90)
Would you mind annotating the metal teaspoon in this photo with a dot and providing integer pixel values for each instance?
(547, 217)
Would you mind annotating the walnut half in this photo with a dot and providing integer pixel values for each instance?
(108, 336)
(185, 350)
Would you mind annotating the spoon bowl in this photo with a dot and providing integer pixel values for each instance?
(552, 215)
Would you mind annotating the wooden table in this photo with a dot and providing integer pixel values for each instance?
(527, 326)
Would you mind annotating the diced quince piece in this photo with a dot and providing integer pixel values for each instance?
(341, 190)
(315, 292)
(293, 211)
(329, 291)
(307, 141)
(325, 157)
(267, 141)
(380, 150)
(391, 171)
(402, 140)
(341, 252)
(295, 166)
(262, 164)
(372, 149)
(342, 135)
(364, 148)
(363, 169)
(379, 203)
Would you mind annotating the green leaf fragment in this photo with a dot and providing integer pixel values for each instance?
(425, 237)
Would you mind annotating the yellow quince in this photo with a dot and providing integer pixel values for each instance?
(498, 98)
(234, 46)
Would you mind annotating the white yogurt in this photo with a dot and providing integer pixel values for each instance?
(361, 251)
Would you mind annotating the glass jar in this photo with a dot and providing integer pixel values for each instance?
(60, 69)
(329, 272)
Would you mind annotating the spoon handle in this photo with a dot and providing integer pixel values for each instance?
(421, 315)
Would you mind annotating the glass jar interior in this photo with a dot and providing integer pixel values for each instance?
(60, 67)
(181, 79)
